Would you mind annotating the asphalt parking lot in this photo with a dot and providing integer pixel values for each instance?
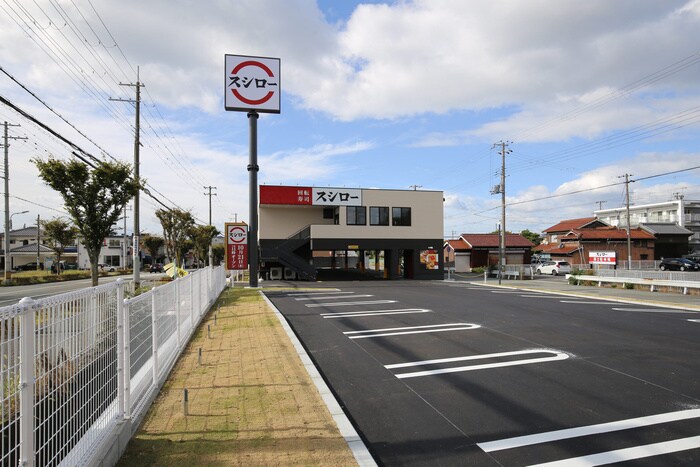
(438, 373)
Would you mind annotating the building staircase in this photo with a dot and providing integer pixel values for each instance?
(293, 253)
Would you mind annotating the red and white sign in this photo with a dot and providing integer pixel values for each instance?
(602, 257)
(312, 196)
(252, 83)
(236, 245)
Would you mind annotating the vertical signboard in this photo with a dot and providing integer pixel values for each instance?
(252, 84)
(236, 245)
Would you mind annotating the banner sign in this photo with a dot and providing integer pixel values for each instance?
(311, 196)
(602, 257)
(252, 83)
(236, 245)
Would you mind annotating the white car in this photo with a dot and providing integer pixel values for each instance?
(554, 268)
(106, 267)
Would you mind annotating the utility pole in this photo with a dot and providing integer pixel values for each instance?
(124, 248)
(600, 204)
(502, 190)
(210, 194)
(415, 187)
(627, 203)
(137, 145)
(6, 145)
(38, 241)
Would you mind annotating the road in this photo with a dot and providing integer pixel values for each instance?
(463, 374)
(12, 295)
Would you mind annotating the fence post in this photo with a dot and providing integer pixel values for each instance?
(154, 339)
(120, 348)
(26, 382)
(127, 358)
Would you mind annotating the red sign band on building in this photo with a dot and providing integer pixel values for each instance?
(285, 195)
(236, 245)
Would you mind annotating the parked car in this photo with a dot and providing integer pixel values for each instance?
(28, 267)
(156, 267)
(106, 267)
(554, 268)
(678, 264)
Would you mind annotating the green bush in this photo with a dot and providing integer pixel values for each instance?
(628, 285)
(479, 270)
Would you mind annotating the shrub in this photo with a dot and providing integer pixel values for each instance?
(628, 285)
(479, 270)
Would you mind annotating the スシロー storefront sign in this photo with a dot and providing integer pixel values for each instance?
(252, 83)
(602, 257)
(311, 196)
(236, 245)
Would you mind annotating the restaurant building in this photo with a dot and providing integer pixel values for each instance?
(382, 233)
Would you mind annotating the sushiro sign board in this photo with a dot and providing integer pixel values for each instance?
(236, 245)
(602, 257)
(252, 84)
(311, 196)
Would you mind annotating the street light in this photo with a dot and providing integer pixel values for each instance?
(21, 212)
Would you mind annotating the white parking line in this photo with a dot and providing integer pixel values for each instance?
(694, 320)
(371, 302)
(592, 302)
(324, 292)
(367, 333)
(653, 310)
(331, 297)
(627, 454)
(556, 356)
(568, 433)
(505, 291)
(352, 314)
(532, 295)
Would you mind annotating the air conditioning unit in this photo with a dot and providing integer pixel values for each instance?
(289, 274)
(276, 274)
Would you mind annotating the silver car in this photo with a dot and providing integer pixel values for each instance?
(554, 268)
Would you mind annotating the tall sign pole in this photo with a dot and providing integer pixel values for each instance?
(252, 85)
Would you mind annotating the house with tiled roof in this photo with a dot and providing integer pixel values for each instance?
(586, 235)
(481, 250)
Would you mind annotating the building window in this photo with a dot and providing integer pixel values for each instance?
(115, 243)
(378, 215)
(328, 213)
(112, 260)
(401, 216)
(357, 215)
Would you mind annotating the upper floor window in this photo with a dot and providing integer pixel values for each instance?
(401, 216)
(378, 215)
(356, 215)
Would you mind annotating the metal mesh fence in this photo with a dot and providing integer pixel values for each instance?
(73, 365)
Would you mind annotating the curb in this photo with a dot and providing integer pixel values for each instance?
(347, 431)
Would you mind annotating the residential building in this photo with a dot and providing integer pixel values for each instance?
(482, 250)
(23, 248)
(682, 212)
(574, 240)
(387, 233)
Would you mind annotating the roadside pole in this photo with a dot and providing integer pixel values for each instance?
(252, 85)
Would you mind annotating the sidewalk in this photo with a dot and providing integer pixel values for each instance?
(251, 401)
(671, 300)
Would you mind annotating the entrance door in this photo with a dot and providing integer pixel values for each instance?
(408, 262)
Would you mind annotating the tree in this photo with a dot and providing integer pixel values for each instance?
(176, 225)
(201, 236)
(532, 236)
(59, 234)
(93, 196)
(219, 252)
(153, 245)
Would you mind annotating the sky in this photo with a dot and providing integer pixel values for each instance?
(412, 94)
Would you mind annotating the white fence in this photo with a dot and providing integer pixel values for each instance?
(75, 366)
